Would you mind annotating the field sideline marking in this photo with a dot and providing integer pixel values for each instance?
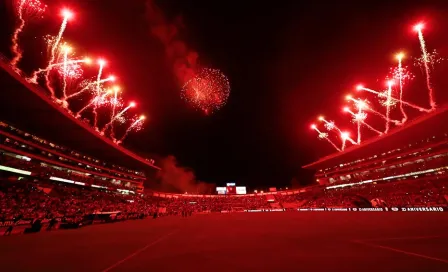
(139, 251)
(403, 251)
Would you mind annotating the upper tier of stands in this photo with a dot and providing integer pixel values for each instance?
(23, 151)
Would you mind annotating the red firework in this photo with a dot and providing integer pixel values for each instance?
(26, 10)
(208, 90)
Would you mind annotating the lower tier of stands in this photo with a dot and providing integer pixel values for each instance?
(23, 201)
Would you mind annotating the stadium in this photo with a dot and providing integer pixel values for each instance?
(72, 197)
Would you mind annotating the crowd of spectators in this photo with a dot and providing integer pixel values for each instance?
(43, 199)
(412, 192)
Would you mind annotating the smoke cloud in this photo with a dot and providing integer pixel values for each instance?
(181, 179)
(183, 59)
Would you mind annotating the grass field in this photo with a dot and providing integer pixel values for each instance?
(296, 241)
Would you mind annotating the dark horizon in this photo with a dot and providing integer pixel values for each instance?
(287, 63)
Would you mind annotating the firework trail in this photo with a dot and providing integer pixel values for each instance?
(389, 95)
(360, 118)
(329, 125)
(36, 74)
(400, 80)
(131, 105)
(136, 125)
(114, 106)
(67, 15)
(98, 90)
(345, 136)
(365, 105)
(66, 50)
(426, 62)
(88, 85)
(323, 135)
(361, 88)
(93, 102)
(26, 9)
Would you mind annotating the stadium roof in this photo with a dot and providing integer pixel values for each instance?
(420, 128)
(28, 108)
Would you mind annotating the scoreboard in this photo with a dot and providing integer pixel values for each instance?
(231, 189)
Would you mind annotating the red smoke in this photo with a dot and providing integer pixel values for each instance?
(184, 60)
(180, 178)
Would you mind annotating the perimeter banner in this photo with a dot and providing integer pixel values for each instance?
(392, 209)
(385, 209)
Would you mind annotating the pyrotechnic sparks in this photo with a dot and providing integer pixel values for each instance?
(101, 63)
(95, 101)
(323, 135)
(89, 85)
(362, 88)
(345, 136)
(67, 15)
(66, 49)
(433, 58)
(360, 118)
(120, 114)
(26, 10)
(72, 69)
(63, 67)
(136, 125)
(208, 90)
(388, 103)
(401, 74)
(115, 103)
(427, 62)
(385, 100)
(329, 125)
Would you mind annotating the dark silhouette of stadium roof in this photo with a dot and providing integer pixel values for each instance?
(27, 107)
(428, 125)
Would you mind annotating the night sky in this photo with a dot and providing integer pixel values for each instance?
(287, 62)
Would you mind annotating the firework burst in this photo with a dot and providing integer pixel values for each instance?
(26, 10)
(208, 90)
